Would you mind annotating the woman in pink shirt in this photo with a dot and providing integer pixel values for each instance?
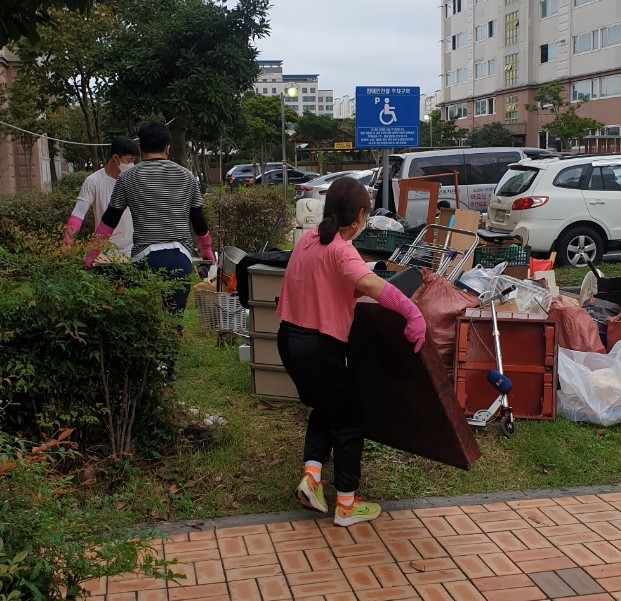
(324, 276)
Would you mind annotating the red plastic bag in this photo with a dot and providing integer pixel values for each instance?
(441, 304)
(613, 331)
(576, 330)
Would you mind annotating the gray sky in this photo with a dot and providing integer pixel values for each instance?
(357, 42)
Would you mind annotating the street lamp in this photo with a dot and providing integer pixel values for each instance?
(291, 91)
(427, 119)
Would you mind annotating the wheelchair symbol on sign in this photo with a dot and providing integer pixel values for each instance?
(387, 115)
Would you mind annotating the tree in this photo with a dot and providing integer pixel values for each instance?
(492, 134)
(566, 125)
(317, 130)
(67, 64)
(190, 60)
(262, 122)
(20, 18)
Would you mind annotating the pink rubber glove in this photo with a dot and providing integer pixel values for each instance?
(204, 245)
(102, 233)
(71, 229)
(415, 328)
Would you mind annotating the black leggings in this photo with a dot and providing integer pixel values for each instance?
(317, 364)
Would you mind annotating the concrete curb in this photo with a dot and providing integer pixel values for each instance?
(169, 528)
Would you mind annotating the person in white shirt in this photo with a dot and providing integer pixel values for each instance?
(96, 192)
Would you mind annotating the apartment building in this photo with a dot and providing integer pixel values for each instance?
(310, 97)
(497, 53)
(21, 168)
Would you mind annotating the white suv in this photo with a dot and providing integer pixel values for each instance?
(571, 205)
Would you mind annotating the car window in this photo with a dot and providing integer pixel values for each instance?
(396, 164)
(572, 177)
(439, 164)
(488, 167)
(605, 178)
(516, 181)
(366, 180)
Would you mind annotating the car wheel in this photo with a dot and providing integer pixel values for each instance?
(578, 245)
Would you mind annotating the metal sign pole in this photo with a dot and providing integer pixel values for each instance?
(386, 179)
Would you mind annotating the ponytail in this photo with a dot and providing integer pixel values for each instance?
(328, 228)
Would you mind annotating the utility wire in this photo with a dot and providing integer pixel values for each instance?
(58, 139)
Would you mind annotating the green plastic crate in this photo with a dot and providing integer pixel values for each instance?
(384, 273)
(489, 256)
(381, 241)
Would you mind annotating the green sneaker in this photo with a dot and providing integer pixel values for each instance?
(358, 511)
(310, 494)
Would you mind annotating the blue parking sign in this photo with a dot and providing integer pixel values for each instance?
(387, 116)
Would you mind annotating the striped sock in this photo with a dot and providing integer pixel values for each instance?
(345, 499)
(314, 469)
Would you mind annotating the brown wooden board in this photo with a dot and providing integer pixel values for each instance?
(407, 399)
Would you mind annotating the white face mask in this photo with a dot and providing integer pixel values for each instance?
(359, 231)
(125, 166)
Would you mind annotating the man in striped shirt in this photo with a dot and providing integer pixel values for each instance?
(164, 200)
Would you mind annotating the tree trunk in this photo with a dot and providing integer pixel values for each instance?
(178, 146)
(51, 150)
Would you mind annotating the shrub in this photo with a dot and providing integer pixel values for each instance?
(50, 542)
(82, 350)
(42, 213)
(246, 218)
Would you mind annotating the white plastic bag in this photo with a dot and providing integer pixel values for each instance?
(530, 298)
(381, 222)
(480, 278)
(590, 386)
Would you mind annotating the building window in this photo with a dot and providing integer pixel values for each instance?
(610, 86)
(585, 42)
(456, 41)
(548, 52)
(329, 99)
(265, 90)
(509, 2)
(584, 90)
(487, 106)
(273, 90)
(487, 30)
(313, 90)
(511, 109)
(548, 8)
(512, 23)
(309, 107)
(453, 7)
(304, 90)
(511, 69)
(454, 77)
(457, 111)
(485, 69)
(329, 107)
(581, 2)
(611, 35)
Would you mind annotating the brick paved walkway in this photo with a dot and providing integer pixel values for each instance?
(566, 548)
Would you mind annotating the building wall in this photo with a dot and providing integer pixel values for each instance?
(504, 50)
(20, 168)
(273, 82)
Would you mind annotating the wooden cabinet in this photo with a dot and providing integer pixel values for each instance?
(269, 377)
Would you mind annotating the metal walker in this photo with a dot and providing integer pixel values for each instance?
(437, 256)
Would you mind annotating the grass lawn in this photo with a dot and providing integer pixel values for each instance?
(254, 463)
(573, 276)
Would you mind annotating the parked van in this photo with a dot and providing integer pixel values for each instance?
(479, 169)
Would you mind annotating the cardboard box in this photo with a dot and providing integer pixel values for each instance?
(464, 220)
